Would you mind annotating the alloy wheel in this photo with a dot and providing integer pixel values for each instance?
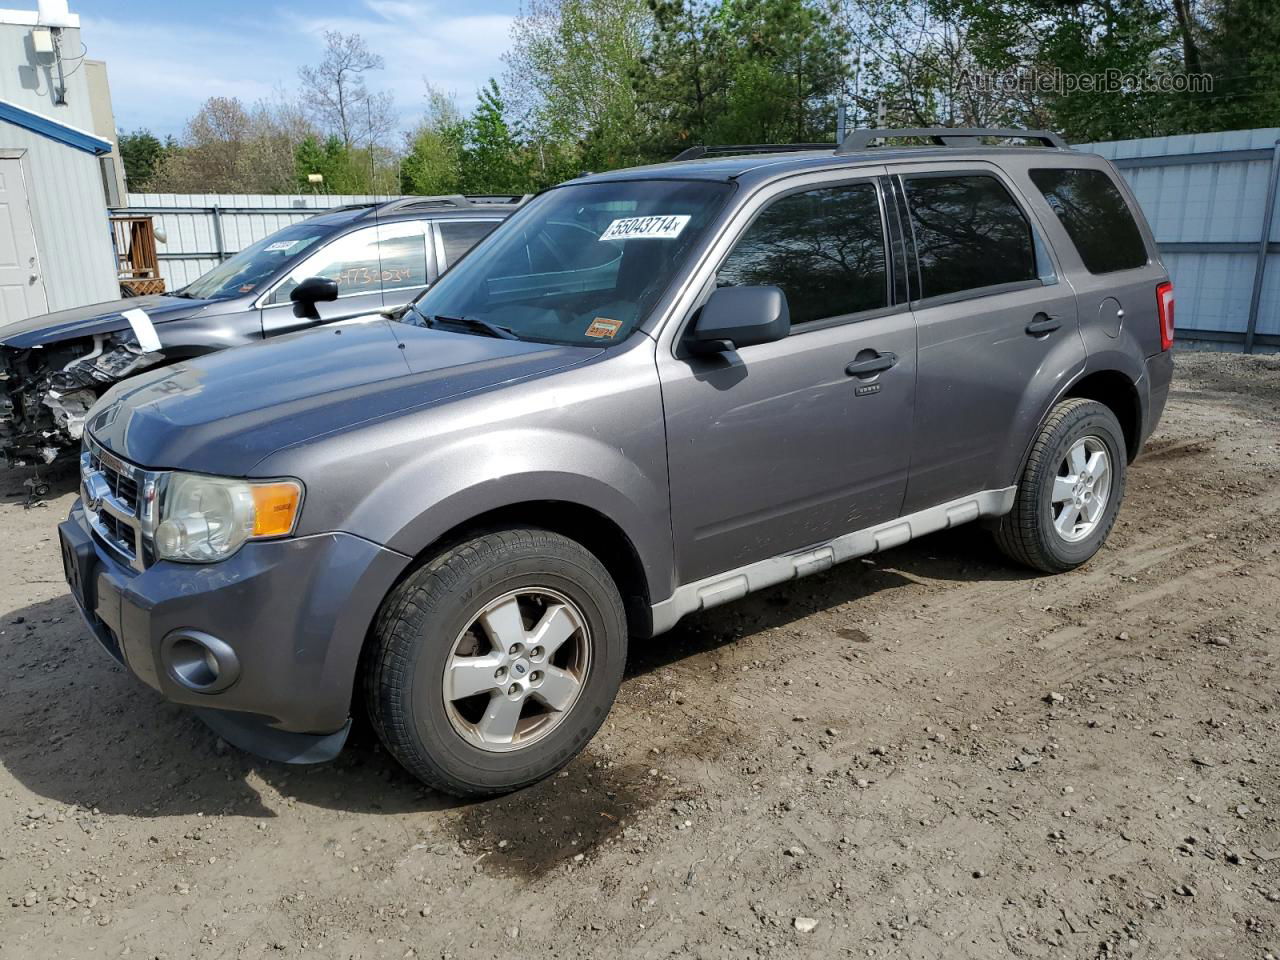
(517, 669)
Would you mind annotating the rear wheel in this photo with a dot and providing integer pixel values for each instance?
(1069, 492)
(493, 664)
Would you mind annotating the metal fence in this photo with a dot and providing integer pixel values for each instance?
(203, 229)
(1211, 199)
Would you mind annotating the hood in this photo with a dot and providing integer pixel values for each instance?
(95, 318)
(224, 412)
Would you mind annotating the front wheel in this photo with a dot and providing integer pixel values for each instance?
(492, 665)
(1069, 492)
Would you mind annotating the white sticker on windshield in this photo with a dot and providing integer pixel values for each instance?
(280, 245)
(646, 228)
(143, 329)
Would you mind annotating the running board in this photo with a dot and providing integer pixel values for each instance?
(735, 584)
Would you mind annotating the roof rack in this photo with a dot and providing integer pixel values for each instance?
(732, 150)
(948, 137)
(457, 200)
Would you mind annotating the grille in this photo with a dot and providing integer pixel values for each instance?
(123, 487)
(114, 493)
(117, 531)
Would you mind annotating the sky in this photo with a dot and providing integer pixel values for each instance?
(166, 57)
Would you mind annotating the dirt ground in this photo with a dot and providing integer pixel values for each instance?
(925, 754)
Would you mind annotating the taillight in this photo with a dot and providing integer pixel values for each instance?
(1164, 308)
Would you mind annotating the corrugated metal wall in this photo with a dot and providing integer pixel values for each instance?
(1205, 196)
(204, 228)
(68, 212)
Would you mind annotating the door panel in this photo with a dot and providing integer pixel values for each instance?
(22, 290)
(773, 449)
(997, 329)
(977, 367)
(778, 446)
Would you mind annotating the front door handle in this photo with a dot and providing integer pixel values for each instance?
(872, 365)
(1042, 324)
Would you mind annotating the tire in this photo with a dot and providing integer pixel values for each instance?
(1032, 533)
(433, 639)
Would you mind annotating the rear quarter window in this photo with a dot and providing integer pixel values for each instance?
(1096, 217)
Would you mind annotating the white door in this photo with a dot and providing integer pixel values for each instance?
(22, 292)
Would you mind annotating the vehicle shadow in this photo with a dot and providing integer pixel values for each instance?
(77, 729)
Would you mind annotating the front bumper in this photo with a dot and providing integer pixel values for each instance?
(290, 616)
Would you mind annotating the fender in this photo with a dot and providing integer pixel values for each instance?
(510, 467)
(1112, 360)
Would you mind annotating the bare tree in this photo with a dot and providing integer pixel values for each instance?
(228, 148)
(335, 94)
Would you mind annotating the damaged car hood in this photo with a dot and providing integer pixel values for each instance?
(224, 412)
(95, 318)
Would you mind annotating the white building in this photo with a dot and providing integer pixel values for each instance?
(55, 240)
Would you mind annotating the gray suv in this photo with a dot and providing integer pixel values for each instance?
(649, 392)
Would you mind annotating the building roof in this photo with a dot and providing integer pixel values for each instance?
(53, 129)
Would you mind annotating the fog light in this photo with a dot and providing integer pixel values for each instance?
(199, 662)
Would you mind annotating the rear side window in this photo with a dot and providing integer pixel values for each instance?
(1095, 216)
(824, 248)
(969, 233)
(459, 236)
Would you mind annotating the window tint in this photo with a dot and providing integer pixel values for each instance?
(390, 257)
(824, 248)
(1095, 216)
(969, 234)
(461, 235)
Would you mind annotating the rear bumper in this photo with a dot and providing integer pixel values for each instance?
(1159, 378)
(284, 622)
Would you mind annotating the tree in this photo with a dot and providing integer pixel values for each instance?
(432, 161)
(141, 152)
(491, 161)
(336, 95)
(228, 148)
(751, 71)
(570, 66)
(1239, 45)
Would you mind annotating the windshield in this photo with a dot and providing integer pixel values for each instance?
(250, 269)
(582, 264)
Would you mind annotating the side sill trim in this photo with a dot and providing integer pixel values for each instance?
(735, 584)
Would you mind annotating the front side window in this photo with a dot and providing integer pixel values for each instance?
(824, 248)
(1095, 216)
(392, 256)
(969, 233)
(580, 264)
(459, 236)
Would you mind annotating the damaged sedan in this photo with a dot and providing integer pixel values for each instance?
(338, 265)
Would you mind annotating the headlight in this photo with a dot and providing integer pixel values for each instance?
(203, 519)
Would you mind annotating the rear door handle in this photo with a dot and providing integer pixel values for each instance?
(1042, 324)
(872, 365)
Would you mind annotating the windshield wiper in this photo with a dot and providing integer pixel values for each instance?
(471, 323)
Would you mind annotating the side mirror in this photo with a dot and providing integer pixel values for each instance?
(737, 317)
(311, 291)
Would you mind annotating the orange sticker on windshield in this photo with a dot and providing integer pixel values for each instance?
(603, 328)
